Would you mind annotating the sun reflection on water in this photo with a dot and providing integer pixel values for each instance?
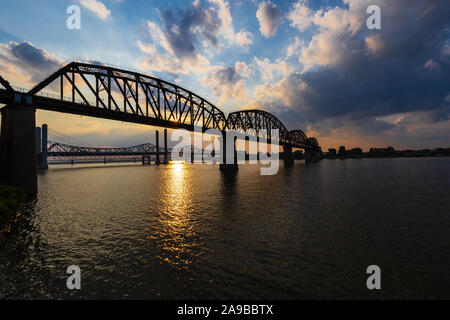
(178, 238)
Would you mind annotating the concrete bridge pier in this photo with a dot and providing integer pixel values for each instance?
(288, 155)
(18, 165)
(247, 147)
(44, 147)
(38, 147)
(41, 147)
(166, 151)
(258, 156)
(228, 163)
(146, 160)
(312, 155)
(157, 161)
(194, 158)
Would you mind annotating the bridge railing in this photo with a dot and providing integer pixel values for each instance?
(47, 94)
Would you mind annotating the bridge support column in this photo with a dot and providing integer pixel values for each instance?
(38, 147)
(18, 148)
(258, 157)
(312, 155)
(228, 163)
(166, 152)
(146, 160)
(44, 147)
(41, 147)
(288, 156)
(157, 161)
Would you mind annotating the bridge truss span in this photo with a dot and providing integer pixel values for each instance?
(299, 139)
(6, 91)
(258, 122)
(108, 92)
(263, 124)
(5, 85)
(103, 91)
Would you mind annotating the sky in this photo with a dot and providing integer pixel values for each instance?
(314, 64)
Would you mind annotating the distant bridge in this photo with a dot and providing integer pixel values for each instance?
(56, 149)
(106, 92)
(74, 148)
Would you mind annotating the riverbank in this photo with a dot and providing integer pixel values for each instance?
(11, 199)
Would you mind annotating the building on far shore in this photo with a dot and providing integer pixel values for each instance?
(382, 152)
(354, 153)
(341, 153)
(389, 152)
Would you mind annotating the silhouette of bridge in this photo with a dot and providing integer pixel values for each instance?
(61, 145)
(111, 93)
(57, 149)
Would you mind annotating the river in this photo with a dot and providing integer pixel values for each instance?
(193, 232)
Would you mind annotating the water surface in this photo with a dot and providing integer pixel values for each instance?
(191, 231)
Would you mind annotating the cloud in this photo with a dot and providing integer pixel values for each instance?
(242, 38)
(228, 82)
(179, 43)
(96, 7)
(301, 16)
(269, 70)
(353, 75)
(413, 130)
(294, 47)
(183, 29)
(243, 69)
(162, 62)
(174, 57)
(159, 62)
(269, 17)
(24, 64)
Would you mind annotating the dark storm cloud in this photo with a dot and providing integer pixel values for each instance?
(25, 56)
(184, 29)
(34, 58)
(227, 75)
(403, 67)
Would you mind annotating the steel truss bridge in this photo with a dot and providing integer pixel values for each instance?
(57, 149)
(107, 92)
(111, 93)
